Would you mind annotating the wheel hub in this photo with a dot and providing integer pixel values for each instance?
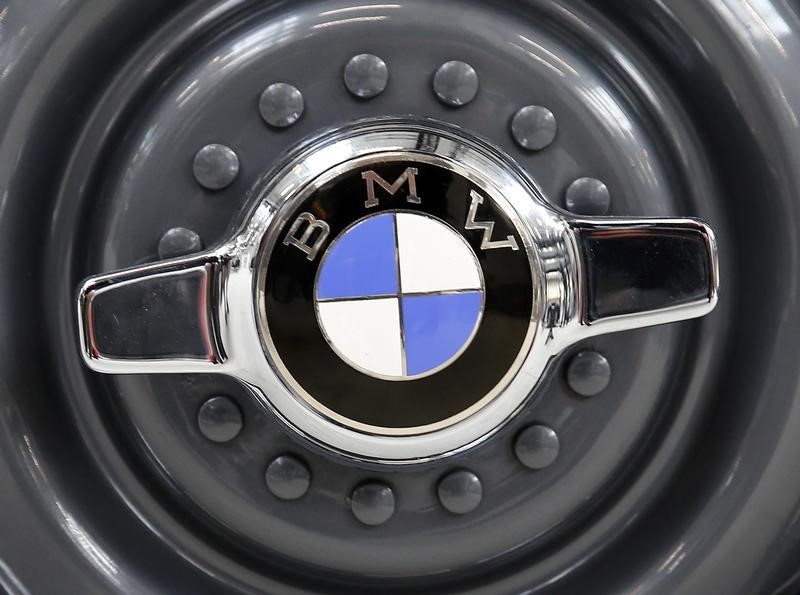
(352, 449)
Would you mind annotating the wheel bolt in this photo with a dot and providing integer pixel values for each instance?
(373, 503)
(288, 478)
(178, 241)
(460, 492)
(588, 196)
(281, 105)
(537, 447)
(366, 76)
(534, 127)
(588, 373)
(215, 167)
(455, 83)
(219, 419)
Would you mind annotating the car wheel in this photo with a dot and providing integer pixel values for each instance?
(480, 297)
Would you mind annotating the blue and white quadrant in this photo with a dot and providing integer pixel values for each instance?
(399, 295)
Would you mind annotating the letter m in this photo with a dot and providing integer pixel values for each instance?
(408, 176)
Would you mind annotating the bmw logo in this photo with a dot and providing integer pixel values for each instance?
(398, 296)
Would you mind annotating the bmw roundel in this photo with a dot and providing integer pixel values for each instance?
(397, 297)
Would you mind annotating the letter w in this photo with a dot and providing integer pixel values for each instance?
(487, 227)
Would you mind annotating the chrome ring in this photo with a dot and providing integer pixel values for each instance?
(360, 146)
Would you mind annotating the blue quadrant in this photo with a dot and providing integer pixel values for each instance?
(362, 262)
(435, 327)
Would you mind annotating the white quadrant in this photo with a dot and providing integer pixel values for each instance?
(433, 257)
(366, 333)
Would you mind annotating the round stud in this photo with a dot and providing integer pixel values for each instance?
(588, 373)
(281, 105)
(455, 83)
(288, 478)
(460, 492)
(215, 167)
(373, 503)
(178, 241)
(534, 127)
(366, 76)
(219, 419)
(588, 196)
(536, 447)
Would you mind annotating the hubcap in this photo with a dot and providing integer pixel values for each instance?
(411, 286)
